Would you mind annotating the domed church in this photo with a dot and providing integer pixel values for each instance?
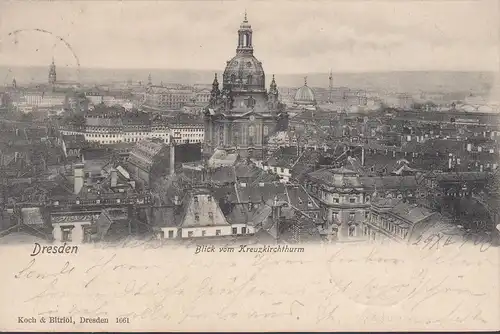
(305, 96)
(243, 114)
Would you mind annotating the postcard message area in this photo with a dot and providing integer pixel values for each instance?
(348, 287)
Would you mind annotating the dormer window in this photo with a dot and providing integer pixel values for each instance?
(195, 198)
(196, 217)
(210, 198)
(211, 215)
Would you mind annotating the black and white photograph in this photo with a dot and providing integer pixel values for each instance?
(250, 165)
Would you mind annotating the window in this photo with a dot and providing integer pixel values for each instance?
(352, 215)
(235, 230)
(190, 234)
(251, 131)
(335, 200)
(66, 234)
(352, 200)
(243, 230)
(196, 217)
(210, 215)
(195, 199)
(210, 198)
(352, 230)
(335, 215)
(203, 233)
(217, 232)
(266, 130)
(170, 234)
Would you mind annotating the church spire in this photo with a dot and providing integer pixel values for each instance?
(273, 89)
(305, 81)
(215, 93)
(52, 72)
(245, 37)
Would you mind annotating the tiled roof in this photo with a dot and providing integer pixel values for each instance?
(203, 210)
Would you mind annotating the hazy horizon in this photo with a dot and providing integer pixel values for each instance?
(402, 81)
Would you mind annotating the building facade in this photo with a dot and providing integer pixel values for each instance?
(244, 114)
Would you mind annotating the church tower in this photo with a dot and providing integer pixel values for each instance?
(273, 95)
(52, 73)
(243, 114)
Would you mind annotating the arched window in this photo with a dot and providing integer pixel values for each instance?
(249, 79)
(251, 131)
(233, 78)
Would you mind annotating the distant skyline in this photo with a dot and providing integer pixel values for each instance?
(289, 37)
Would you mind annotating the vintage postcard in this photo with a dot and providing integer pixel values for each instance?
(249, 165)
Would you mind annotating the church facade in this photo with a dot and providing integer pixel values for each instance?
(243, 114)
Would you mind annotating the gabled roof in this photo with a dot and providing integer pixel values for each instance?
(202, 210)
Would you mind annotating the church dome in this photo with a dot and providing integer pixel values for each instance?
(305, 95)
(244, 70)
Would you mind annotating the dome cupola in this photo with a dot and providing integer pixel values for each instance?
(305, 95)
(244, 72)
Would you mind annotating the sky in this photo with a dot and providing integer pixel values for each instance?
(288, 36)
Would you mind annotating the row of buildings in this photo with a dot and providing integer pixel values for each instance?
(114, 125)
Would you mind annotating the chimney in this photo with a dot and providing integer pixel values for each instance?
(78, 177)
(362, 156)
(114, 177)
(172, 159)
(276, 209)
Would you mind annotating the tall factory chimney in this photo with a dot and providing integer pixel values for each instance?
(172, 158)
(78, 177)
(114, 177)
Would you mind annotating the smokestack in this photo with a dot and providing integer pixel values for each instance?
(114, 177)
(276, 209)
(172, 158)
(78, 177)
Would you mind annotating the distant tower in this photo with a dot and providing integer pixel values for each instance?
(273, 95)
(330, 87)
(52, 73)
(14, 83)
(150, 82)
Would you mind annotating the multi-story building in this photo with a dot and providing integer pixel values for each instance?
(29, 100)
(166, 98)
(345, 197)
(394, 220)
(112, 127)
(187, 133)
